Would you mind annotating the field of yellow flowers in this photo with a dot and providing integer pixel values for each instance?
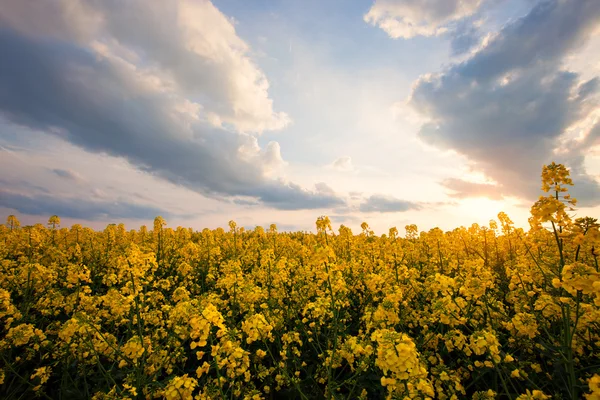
(481, 312)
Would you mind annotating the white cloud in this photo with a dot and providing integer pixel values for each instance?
(343, 164)
(410, 18)
(323, 188)
(402, 110)
(269, 158)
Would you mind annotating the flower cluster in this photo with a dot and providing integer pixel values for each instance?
(481, 312)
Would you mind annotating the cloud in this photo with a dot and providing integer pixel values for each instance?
(462, 189)
(385, 204)
(245, 202)
(132, 99)
(67, 91)
(593, 138)
(506, 107)
(466, 36)
(345, 218)
(67, 174)
(324, 189)
(290, 196)
(23, 184)
(343, 164)
(355, 195)
(269, 158)
(76, 208)
(61, 19)
(410, 18)
(183, 45)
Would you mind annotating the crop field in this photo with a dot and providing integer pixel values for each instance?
(477, 312)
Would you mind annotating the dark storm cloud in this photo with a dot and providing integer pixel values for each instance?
(505, 107)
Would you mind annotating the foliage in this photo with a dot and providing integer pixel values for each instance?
(479, 312)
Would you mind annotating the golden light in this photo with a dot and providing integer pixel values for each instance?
(481, 209)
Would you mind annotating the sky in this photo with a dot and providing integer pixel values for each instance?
(439, 113)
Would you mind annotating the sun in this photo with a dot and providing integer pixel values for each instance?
(481, 209)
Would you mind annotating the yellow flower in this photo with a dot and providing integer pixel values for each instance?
(533, 395)
(257, 328)
(594, 385)
(180, 388)
(22, 334)
(43, 373)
